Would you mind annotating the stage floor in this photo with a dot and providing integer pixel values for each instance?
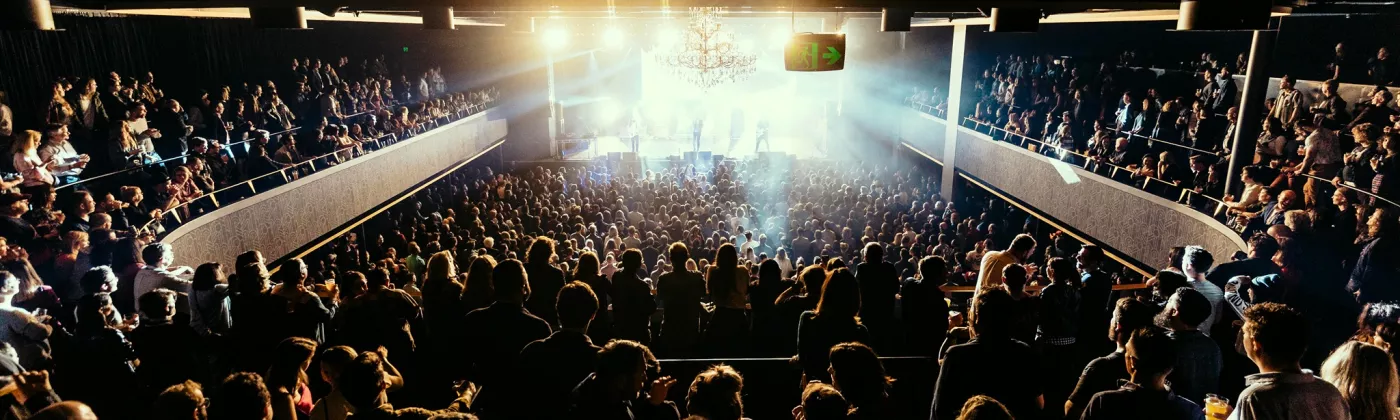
(661, 148)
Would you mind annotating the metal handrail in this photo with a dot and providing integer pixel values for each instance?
(1353, 188)
(1183, 199)
(1148, 138)
(471, 109)
(162, 161)
(1151, 140)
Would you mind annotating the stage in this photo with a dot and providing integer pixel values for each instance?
(662, 148)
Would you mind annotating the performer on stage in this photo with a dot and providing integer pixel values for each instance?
(762, 137)
(736, 128)
(696, 127)
(634, 135)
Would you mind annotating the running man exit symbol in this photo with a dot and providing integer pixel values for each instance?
(816, 52)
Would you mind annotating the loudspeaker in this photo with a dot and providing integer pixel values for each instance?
(439, 18)
(614, 156)
(1014, 20)
(278, 17)
(895, 20)
(703, 156)
(26, 15)
(1234, 15)
(629, 157)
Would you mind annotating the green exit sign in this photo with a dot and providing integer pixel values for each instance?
(815, 52)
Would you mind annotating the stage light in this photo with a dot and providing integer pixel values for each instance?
(556, 38)
(612, 37)
(668, 37)
(781, 37)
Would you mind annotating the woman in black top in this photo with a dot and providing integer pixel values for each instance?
(763, 296)
(587, 272)
(833, 322)
(1056, 329)
(478, 293)
(632, 300)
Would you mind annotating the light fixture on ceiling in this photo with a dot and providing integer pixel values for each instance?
(706, 55)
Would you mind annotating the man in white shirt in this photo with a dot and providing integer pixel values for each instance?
(158, 274)
(1196, 262)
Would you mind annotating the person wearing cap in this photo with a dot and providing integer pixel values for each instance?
(13, 227)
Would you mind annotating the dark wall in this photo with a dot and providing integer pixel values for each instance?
(1154, 43)
(187, 54)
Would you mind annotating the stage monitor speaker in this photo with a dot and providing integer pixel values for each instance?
(698, 156)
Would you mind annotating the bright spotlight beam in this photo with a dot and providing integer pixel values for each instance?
(780, 37)
(613, 37)
(555, 39)
(668, 37)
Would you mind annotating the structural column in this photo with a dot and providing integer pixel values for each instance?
(1251, 112)
(555, 113)
(955, 99)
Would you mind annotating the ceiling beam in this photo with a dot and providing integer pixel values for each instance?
(591, 5)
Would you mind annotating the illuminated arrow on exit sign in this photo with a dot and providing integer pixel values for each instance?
(815, 52)
(831, 56)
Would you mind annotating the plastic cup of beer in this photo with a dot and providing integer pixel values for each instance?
(1217, 407)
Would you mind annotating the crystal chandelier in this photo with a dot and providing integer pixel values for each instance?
(705, 55)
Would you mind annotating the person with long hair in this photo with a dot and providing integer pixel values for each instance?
(1365, 375)
(833, 322)
(37, 174)
(633, 303)
(209, 301)
(443, 314)
(545, 280)
(477, 290)
(728, 284)
(588, 272)
(857, 372)
(763, 296)
(286, 379)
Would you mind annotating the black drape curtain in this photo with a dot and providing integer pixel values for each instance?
(189, 54)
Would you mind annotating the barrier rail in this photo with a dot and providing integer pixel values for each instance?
(1150, 140)
(1353, 187)
(251, 184)
(470, 110)
(1212, 206)
(138, 168)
